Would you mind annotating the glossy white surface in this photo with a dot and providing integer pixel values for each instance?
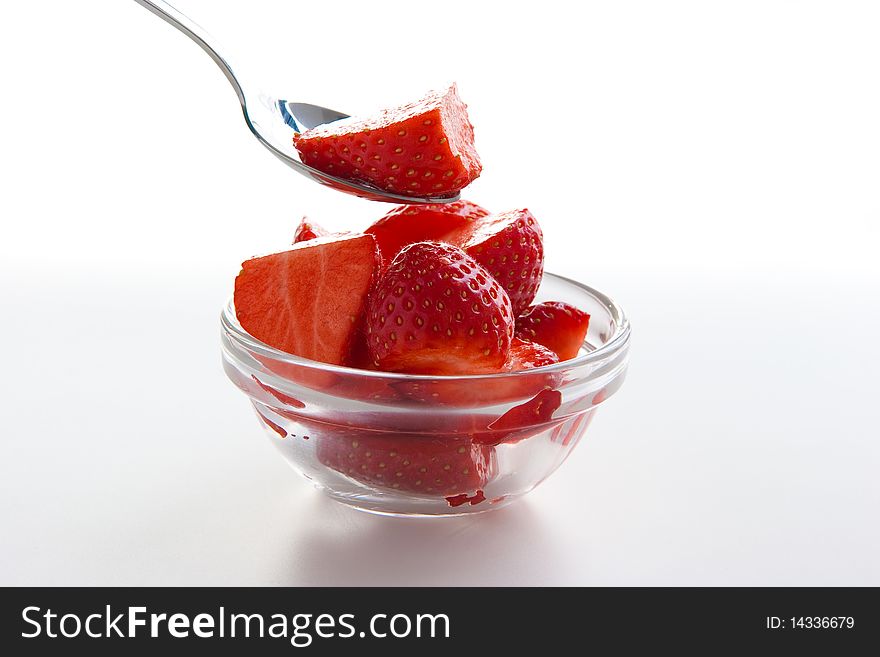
(726, 196)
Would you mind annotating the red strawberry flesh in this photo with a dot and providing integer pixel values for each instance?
(436, 311)
(407, 224)
(513, 425)
(286, 299)
(535, 412)
(525, 355)
(557, 325)
(424, 149)
(429, 465)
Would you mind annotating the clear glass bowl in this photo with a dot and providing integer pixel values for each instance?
(431, 445)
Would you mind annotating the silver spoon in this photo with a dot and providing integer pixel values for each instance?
(274, 121)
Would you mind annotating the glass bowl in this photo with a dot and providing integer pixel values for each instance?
(431, 445)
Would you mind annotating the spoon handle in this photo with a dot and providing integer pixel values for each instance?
(198, 34)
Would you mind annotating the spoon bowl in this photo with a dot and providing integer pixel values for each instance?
(274, 121)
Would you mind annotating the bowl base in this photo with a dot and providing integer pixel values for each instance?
(376, 505)
(517, 467)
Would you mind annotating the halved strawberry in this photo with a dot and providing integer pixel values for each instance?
(429, 465)
(510, 245)
(436, 311)
(310, 300)
(525, 355)
(407, 224)
(556, 325)
(308, 230)
(423, 149)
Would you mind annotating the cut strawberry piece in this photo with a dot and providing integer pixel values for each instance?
(308, 230)
(525, 355)
(436, 311)
(430, 465)
(536, 411)
(424, 149)
(309, 300)
(518, 423)
(556, 325)
(510, 245)
(407, 224)
(524, 421)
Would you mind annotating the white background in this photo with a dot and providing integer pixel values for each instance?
(713, 166)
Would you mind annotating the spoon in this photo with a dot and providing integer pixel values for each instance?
(274, 121)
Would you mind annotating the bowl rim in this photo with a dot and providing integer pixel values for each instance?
(616, 343)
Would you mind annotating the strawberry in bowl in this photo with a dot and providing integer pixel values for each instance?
(436, 311)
